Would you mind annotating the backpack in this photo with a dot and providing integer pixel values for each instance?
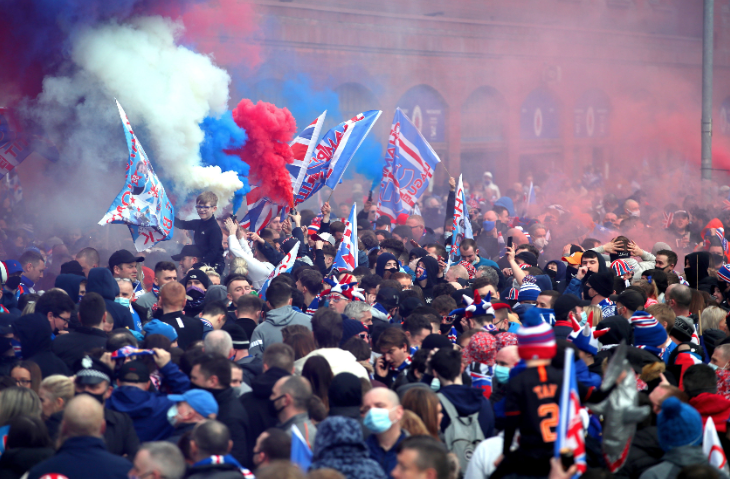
(463, 434)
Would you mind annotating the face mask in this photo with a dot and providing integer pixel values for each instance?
(423, 276)
(172, 415)
(435, 384)
(98, 397)
(391, 270)
(551, 273)
(238, 391)
(81, 296)
(713, 366)
(197, 296)
(634, 214)
(123, 301)
(378, 420)
(272, 406)
(540, 243)
(488, 225)
(583, 318)
(501, 373)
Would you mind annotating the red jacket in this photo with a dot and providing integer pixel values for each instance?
(715, 406)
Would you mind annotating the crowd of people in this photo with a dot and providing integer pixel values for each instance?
(421, 362)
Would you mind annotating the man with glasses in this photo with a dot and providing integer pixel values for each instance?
(207, 235)
(57, 307)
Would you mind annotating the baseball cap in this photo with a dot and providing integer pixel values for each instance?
(122, 257)
(324, 237)
(91, 371)
(201, 401)
(13, 266)
(158, 327)
(187, 250)
(574, 258)
(134, 372)
(567, 303)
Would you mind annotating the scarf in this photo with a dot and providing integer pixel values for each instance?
(403, 365)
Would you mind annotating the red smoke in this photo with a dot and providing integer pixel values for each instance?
(269, 130)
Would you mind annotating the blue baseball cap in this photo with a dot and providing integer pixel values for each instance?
(158, 327)
(13, 266)
(202, 401)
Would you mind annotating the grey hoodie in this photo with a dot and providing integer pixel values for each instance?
(269, 332)
(674, 460)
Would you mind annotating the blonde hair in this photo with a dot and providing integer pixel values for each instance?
(597, 313)
(59, 386)
(210, 271)
(239, 267)
(711, 317)
(17, 401)
(29, 308)
(207, 197)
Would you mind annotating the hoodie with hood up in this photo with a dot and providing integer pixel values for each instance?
(102, 282)
(269, 332)
(576, 286)
(71, 284)
(432, 279)
(34, 333)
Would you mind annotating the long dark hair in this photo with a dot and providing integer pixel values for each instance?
(319, 373)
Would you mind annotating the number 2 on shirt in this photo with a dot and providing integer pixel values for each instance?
(550, 414)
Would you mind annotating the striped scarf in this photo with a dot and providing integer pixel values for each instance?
(403, 365)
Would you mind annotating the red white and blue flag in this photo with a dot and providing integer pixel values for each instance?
(712, 448)
(409, 165)
(570, 432)
(285, 266)
(261, 210)
(346, 258)
(302, 148)
(333, 153)
(461, 225)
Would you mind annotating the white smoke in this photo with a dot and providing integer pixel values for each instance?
(165, 88)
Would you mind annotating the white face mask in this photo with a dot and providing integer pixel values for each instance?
(540, 243)
(635, 213)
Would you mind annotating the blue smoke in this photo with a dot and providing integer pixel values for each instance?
(221, 134)
(368, 161)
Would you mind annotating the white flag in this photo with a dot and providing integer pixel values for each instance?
(712, 448)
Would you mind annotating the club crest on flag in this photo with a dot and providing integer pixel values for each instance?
(142, 204)
(346, 258)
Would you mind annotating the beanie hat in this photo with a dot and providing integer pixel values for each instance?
(724, 274)
(535, 339)
(482, 349)
(678, 425)
(529, 291)
(350, 328)
(683, 329)
(647, 330)
(602, 283)
(620, 267)
(527, 258)
(632, 263)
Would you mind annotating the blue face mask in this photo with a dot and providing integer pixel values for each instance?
(423, 276)
(583, 318)
(488, 225)
(123, 301)
(378, 420)
(435, 384)
(501, 373)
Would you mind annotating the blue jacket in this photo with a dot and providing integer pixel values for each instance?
(467, 401)
(71, 284)
(83, 457)
(584, 376)
(386, 459)
(102, 282)
(574, 287)
(148, 410)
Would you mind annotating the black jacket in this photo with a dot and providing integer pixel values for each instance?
(34, 333)
(208, 237)
(432, 271)
(256, 403)
(644, 453)
(232, 414)
(188, 329)
(17, 461)
(102, 282)
(73, 346)
(120, 437)
(214, 471)
(81, 458)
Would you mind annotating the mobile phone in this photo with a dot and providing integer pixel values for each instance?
(509, 241)
(566, 458)
(233, 217)
(370, 195)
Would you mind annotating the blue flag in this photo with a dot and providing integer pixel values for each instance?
(142, 204)
(347, 253)
(301, 453)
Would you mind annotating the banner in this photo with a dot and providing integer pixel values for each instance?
(346, 258)
(284, 266)
(142, 204)
(461, 225)
(333, 153)
(409, 165)
(570, 432)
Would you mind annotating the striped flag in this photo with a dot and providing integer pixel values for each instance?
(285, 265)
(302, 148)
(570, 433)
(346, 259)
(261, 211)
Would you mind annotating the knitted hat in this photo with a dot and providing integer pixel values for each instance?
(602, 283)
(683, 329)
(347, 287)
(350, 328)
(585, 338)
(529, 291)
(535, 339)
(632, 263)
(482, 349)
(621, 267)
(647, 330)
(724, 273)
(678, 425)
(527, 258)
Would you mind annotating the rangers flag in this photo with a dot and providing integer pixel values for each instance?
(333, 153)
(347, 253)
(409, 165)
(570, 432)
(302, 147)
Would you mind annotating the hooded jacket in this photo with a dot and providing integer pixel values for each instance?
(432, 279)
(10, 301)
(382, 261)
(695, 267)
(467, 401)
(576, 285)
(73, 346)
(559, 282)
(34, 333)
(714, 406)
(148, 410)
(269, 332)
(339, 445)
(70, 283)
(102, 282)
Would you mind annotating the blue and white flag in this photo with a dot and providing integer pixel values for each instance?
(261, 210)
(333, 153)
(461, 225)
(570, 433)
(302, 148)
(142, 204)
(301, 453)
(285, 266)
(346, 258)
(409, 165)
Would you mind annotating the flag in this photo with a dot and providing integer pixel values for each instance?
(409, 165)
(16, 145)
(570, 432)
(529, 199)
(346, 258)
(302, 148)
(285, 265)
(668, 219)
(261, 210)
(142, 204)
(461, 225)
(333, 153)
(712, 447)
(301, 453)
(481, 378)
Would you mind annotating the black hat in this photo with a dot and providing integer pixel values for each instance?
(388, 297)
(91, 371)
(123, 257)
(196, 274)
(238, 335)
(345, 391)
(134, 372)
(433, 341)
(631, 299)
(527, 257)
(408, 305)
(72, 267)
(602, 283)
(188, 250)
(567, 303)
(683, 329)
